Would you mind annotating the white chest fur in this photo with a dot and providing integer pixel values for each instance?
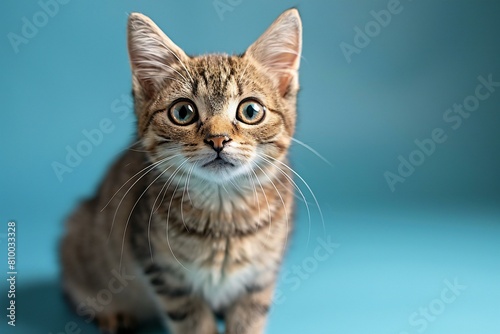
(220, 288)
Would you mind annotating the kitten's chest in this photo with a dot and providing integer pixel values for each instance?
(217, 268)
(223, 250)
(221, 282)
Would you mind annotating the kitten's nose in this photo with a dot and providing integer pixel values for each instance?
(217, 142)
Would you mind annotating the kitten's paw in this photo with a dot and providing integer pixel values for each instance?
(116, 324)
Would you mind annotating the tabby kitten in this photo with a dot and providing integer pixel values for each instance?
(193, 220)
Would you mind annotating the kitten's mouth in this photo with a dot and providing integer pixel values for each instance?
(218, 163)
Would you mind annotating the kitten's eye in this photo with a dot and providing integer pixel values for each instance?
(183, 113)
(250, 112)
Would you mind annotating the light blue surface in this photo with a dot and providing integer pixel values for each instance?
(396, 248)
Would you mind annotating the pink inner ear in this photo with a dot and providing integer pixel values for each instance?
(288, 63)
(278, 50)
(284, 83)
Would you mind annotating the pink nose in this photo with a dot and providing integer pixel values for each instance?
(217, 142)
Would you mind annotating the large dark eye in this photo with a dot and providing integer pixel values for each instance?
(250, 112)
(183, 113)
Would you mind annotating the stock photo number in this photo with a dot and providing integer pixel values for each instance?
(11, 272)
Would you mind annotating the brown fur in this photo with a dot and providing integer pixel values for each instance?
(194, 235)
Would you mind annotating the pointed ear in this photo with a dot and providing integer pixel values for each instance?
(278, 50)
(153, 56)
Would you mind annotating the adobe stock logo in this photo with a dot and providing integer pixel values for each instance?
(75, 154)
(421, 319)
(454, 118)
(223, 6)
(363, 37)
(292, 279)
(31, 26)
(379, 21)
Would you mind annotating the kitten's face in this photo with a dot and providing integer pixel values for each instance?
(216, 116)
(222, 122)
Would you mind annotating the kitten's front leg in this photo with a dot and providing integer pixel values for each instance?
(183, 311)
(248, 314)
(188, 314)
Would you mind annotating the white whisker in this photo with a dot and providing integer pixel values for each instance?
(130, 214)
(168, 217)
(298, 189)
(312, 150)
(284, 208)
(263, 192)
(165, 186)
(149, 169)
(183, 194)
(306, 184)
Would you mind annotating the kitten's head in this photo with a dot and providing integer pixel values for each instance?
(217, 116)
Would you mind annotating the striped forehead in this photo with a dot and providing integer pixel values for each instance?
(215, 84)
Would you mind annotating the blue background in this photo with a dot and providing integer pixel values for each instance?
(396, 249)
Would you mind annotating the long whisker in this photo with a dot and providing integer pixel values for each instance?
(189, 179)
(256, 198)
(282, 202)
(265, 196)
(252, 184)
(165, 186)
(140, 151)
(138, 144)
(133, 144)
(302, 199)
(132, 210)
(151, 166)
(168, 217)
(149, 222)
(306, 184)
(186, 185)
(312, 150)
(170, 180)
(149, 169)
(298, 189)
(252, 187)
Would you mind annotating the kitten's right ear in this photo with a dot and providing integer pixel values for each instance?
(279, 50)
(153, 55)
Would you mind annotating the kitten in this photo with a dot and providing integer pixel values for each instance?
(194, 220)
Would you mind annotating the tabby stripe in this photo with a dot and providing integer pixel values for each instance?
(207, 231)
(199, 125)
(177, 315)
(157, 281)
(173, 292)
(255, 288)
(268, 139)
(150, 120)
(259, 308)
(203, 74)
(276, 143)
(161, 142)
(282, 116)
(194, 87)
(152, 269)
(240, 88)
(156, 269)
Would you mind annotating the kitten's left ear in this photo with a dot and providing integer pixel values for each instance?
(153, 56)
(279, 50)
